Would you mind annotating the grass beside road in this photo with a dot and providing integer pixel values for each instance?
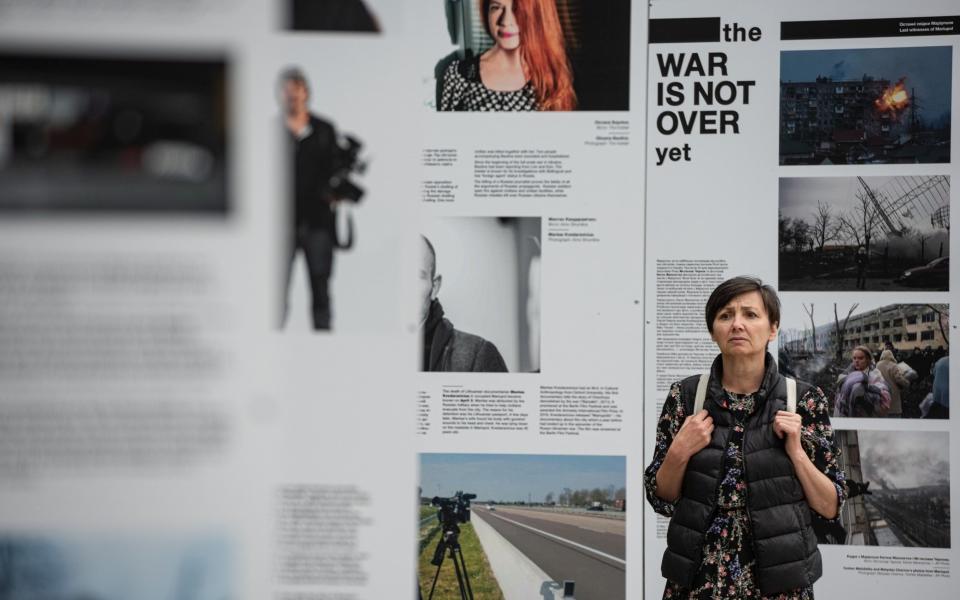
(482, 580)
(426, 511)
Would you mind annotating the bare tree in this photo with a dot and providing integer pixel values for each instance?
(800, 235)
(784, 227)
(548, 499)
(825, 228)
(813, 326)
(860, 224)
(840, 331)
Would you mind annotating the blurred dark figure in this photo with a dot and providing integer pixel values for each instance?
(332, 15)
(940, 408)
(312, 152)
(861, 261)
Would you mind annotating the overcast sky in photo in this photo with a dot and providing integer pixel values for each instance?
(799, 197)
(905, 458)
(926, 70)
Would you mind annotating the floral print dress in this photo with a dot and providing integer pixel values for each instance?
(728, 569)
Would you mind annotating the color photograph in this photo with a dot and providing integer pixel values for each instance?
(496, 526)
(112, 133)
(870, 359)
(865, 106)
(535, 55)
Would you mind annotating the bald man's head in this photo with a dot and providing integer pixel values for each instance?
(429, 282)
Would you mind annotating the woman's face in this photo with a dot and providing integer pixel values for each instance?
(860, 360)
(503, 24)
(742, 327)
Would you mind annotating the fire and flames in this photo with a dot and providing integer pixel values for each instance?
(894, 99)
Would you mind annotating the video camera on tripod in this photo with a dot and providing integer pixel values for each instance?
(453, 510)
(450, 513)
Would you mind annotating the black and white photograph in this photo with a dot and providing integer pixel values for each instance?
(899, 490)
(355, 16)
(872, 360)
(113, 132)
(479, 294)
(865, 106)
(864, 233)
(522, 526)
(533, 55)
(109, 567)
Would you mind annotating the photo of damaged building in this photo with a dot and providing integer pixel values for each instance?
(865, 106)
(817, 341)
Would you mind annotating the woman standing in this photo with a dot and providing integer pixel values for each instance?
(525, 69)
(863, 392)
(895, 381)
(739, 478)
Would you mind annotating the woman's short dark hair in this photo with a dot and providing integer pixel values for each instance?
(731, 288)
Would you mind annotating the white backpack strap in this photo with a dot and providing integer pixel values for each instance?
(701, 396)
(791, 394)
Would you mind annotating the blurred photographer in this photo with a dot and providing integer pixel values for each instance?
(320, 167)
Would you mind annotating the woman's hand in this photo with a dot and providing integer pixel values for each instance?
(693, 436)
(788, 425)
(817, 487)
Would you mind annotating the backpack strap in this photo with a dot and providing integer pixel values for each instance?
(701, 396)
(791, 394)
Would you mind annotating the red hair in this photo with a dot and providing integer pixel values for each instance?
(542, 51)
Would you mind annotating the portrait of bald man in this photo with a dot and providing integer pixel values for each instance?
(446, 348)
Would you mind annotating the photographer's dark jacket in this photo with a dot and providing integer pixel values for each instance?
(314, 161)
(783, 546)
(452, 350)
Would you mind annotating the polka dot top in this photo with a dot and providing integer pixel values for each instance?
(463, 91)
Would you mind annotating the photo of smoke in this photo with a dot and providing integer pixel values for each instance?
(864, 233)
(563, 517)
(112, 134)
(108, 568)
(908, 345)
(865, 106)
(479, 294)
(899, 484)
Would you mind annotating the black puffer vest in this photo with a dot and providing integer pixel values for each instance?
(784, 543)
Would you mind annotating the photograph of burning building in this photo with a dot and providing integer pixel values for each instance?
(864, 233)
(899, 484)
(903, 343)
(865, 106)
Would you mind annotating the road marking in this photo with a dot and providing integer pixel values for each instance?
(564, 540)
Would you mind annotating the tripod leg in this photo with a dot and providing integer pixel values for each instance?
(460, 566)
(466, 576)
(435, 577)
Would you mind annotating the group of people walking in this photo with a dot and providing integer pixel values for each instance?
(877, 388)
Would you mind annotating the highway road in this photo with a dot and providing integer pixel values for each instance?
(587, 549)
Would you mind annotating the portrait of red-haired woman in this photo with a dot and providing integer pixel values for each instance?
(527, 67)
